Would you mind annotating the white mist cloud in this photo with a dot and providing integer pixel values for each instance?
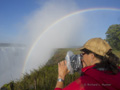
(41, 25)
(11, 63)
(46, 15)
(52, 31)
(58, 36)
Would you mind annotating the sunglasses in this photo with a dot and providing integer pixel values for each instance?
(85, 51)
(82, 54)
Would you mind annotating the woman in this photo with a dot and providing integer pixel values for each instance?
(100, 68)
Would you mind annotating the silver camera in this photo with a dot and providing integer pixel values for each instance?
(74, 63)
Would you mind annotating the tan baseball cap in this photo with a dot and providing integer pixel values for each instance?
(97, 45)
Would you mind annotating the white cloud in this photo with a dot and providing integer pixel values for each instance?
(42, 26)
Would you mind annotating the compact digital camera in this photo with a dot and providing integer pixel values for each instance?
(74, 63)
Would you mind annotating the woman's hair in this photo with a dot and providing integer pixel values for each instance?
(109, 62)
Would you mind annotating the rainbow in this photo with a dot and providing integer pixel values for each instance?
(57, 22)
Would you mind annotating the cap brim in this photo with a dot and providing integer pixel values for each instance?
(79, 49)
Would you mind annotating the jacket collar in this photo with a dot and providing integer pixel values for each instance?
(86, 68)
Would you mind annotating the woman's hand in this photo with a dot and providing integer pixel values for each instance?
(62, 69)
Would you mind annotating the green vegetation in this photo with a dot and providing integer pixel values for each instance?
(116, 52)
(113, 36)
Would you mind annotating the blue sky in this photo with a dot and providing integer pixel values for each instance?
(98, 3)
(13, 13)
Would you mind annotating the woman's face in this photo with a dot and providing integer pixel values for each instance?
(87, 59)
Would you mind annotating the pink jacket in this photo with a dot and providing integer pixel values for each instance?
(94, 79)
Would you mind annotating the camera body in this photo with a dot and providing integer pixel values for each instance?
(74, 63)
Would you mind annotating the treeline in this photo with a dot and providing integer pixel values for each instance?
(113, 36)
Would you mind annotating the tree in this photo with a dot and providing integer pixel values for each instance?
(113, 36)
